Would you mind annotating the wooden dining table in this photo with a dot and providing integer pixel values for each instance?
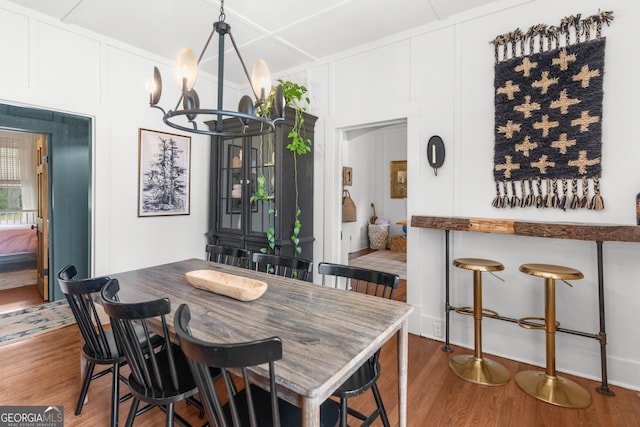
(326, 333)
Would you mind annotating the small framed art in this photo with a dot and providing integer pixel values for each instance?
(399, 179)
(347, 176)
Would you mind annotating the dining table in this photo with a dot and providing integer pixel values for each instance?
(326, 333)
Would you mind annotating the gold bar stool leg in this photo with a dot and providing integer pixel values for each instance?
(476, 368)
(547, 386)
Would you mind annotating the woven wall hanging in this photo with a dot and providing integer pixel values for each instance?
(548, 115)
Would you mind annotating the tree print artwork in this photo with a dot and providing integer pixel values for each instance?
(164, 174)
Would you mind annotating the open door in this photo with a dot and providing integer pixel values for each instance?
(42, 220)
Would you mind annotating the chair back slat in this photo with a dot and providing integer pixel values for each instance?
(372, 282)
(295, 268)
(80, 296)
(204, 355)
(228, 255)
(151, 369)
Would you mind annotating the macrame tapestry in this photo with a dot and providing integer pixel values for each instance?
(548, 115)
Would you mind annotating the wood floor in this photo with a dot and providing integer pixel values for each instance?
(46, 371)
(19, 298)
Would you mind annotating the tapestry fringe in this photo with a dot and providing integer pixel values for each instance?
(541, 37)
(552, 193)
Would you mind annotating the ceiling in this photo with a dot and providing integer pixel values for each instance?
(285, 33)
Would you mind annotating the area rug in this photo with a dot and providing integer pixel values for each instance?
(29, 322)
(391, 262)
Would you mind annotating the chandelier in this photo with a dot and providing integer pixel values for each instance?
(250, 110)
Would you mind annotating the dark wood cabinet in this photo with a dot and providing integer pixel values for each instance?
(243, 166)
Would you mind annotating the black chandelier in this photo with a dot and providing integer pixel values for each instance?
(249, 111)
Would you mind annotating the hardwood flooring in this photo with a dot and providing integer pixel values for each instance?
(46, 371)
(19, 298)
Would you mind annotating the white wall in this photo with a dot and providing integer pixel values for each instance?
(52, 66)
(440, 80)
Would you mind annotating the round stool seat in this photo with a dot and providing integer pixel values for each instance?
(549, 271)
(478, 264)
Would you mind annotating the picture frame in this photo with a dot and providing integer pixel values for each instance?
(164, 173)
(347, 176)
(398, 179)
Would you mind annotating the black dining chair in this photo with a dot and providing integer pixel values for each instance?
(252, 405)
(228, 255)
(295, 268)
(99, 346)
(158, 378)
(375, 283)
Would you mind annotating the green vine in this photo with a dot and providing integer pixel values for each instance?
(294, 95)
(296, 98)
(271, 235)
(261, 193)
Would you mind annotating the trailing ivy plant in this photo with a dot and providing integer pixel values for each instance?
(295, 96)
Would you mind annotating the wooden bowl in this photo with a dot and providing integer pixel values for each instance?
(237, 287)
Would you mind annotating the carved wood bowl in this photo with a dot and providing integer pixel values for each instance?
(237, 287)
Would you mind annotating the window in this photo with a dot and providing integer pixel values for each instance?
(10, 185)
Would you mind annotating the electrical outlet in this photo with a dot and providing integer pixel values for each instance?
(437, 329)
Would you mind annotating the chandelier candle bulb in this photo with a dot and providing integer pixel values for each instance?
(186, 69)
(261, 79)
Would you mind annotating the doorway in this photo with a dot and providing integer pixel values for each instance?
(24, 213)
(64, 161)
(369, 151)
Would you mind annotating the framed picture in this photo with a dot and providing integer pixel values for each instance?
(347, 176)
(399, 179)
(164, 172)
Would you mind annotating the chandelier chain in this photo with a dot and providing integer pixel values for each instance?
(222, 15)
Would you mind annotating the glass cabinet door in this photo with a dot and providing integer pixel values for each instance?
(262, 176)
(232, 184)
(247, 185)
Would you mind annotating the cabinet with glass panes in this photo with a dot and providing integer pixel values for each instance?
(253, 189)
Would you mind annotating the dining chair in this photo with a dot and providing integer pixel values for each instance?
(228, 255)
(376, 283)
(99, 346)
(252, 405)
(295, 268)
(158, 378)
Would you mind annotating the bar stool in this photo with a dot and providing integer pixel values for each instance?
(474, 367)
(547, 386)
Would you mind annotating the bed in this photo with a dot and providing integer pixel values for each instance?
(18, 246)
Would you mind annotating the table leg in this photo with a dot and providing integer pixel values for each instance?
(310, 412)
(602, 335)
(403, 357)
(447, 304)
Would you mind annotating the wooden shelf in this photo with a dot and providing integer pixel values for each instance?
(555, 230)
